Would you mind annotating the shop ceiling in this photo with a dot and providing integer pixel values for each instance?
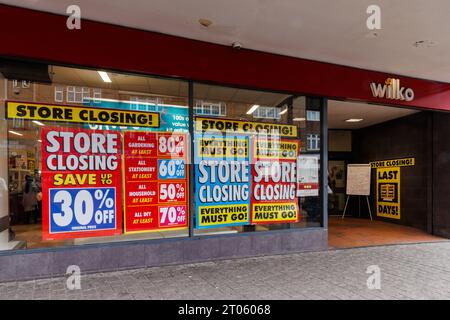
(413, 40)
(369, 114)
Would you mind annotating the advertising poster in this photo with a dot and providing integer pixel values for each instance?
(81, 183)
(75, 114)
(308, 175)
(155, 181)
(222, 186)
(388, 192)
(274, 181)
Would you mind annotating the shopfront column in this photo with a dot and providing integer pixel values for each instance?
(4, 217)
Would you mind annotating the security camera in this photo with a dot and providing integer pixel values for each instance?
(236, 45)
(16, 90)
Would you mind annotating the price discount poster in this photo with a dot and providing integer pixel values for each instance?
(155, 181)
(81, 183)
(274, 181)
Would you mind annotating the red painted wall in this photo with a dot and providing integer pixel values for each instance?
(42, 36)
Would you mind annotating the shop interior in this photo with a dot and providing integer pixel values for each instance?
(361, 133)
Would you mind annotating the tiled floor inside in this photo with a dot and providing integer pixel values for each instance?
(358, 232)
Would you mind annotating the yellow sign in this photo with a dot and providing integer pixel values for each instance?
(225, 214)
(404, 162)
(213, 125)
(275, 149)
(274, 212)
(223, 148)
(61, 113)
(388, 192)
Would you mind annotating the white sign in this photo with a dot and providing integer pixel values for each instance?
(358, 179)
(308, 175)
(392, 89)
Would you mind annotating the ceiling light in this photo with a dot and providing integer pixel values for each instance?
(40, 141)
(253, 109)
(284, 111)
(16, 133)
(38, 123)
(354, 120)
(299, 119)
(104, 76)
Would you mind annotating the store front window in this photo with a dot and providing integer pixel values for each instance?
(94, 161)
(91, 161)
(253, 170)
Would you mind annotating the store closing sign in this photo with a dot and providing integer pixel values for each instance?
(156, 181)
(388, 192)
(81, 183)
(274, 181)
(222, 181)
(214, 126)
(74, 114)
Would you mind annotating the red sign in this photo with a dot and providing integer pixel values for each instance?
(274, 181)
(81, 183)
(156, 181)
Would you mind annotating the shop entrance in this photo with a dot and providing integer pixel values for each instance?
(393, 147)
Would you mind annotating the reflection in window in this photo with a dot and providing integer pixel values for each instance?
(77, 94)
(312, 115)
(267, 113)
(59, 94)
(207, 108)
(146, 104)
(313, 142)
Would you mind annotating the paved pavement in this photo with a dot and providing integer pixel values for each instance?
(418, 271)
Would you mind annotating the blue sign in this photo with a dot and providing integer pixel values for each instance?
(222, 180)
(171, 169)
(82, 209)
(172, 118)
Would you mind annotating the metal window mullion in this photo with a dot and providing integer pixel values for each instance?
(191, 160)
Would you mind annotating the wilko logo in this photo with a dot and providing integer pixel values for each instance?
(391, 89)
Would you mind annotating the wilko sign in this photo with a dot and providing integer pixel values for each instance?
(392, 89)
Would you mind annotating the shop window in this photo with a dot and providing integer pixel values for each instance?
(112, 165)
(79, 174)
(253, 141)
(59, 94)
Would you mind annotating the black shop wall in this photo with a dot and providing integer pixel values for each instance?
(400, 138)
(441, 174)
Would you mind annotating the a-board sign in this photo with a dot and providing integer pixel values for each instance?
(358, 179)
